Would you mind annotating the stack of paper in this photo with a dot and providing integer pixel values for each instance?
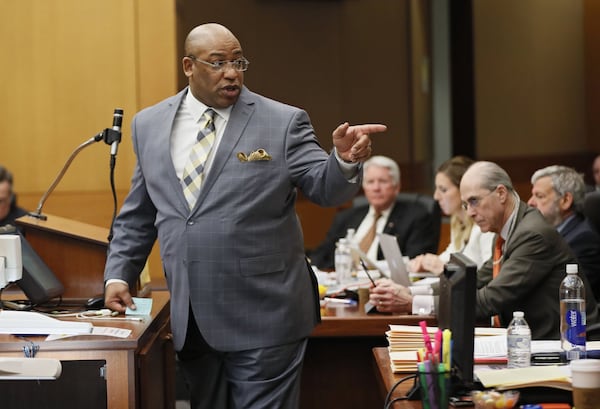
(405, 340)
(35, 323)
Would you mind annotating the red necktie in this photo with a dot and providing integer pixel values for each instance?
(497, 261)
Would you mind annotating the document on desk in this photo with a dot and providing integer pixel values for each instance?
(101, 331)
(143, 306)
(35, 323)
(554, 376)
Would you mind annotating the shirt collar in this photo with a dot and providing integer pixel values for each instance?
(562, 224)
(509, 225)
(197, 108)
(384, 213)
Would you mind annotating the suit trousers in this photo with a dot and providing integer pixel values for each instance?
(263, 378)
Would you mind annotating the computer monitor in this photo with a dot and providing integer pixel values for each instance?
(456, 311)
(11, 265)
(38, 282)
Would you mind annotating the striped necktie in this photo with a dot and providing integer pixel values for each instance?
(497, 262)
(193, 172)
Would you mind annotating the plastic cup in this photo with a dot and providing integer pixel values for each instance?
(585, 377)
(434, 386)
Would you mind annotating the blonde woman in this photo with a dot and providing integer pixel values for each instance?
(465, 235)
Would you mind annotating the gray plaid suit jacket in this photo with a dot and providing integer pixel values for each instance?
(238, 257)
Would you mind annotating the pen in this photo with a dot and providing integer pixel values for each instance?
(140, 319)
(424, 387)
(446, 335)
(553, 358)
(426, 338)
(442, 383)
(431, 385)
(340, 300)
(438, 346)
(362, 263)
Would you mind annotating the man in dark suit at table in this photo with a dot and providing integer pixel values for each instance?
(558, 192)
(527, 267)
(416, 230)
(9, 210)
(243, 298)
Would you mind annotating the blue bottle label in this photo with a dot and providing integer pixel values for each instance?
(575, 327)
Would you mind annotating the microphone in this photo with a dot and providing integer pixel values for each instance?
(117, 121)
(112, 136)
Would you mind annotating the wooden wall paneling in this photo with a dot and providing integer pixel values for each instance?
(591, 16)
(529, 82)
(67, 65)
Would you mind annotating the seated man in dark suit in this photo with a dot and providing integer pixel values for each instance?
(527, 267)
(9, 211)
(416, 230)
(558, 192)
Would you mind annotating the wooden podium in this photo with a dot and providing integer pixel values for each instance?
(74, 251)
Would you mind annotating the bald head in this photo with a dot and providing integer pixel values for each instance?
(204, 36)
(488, 175)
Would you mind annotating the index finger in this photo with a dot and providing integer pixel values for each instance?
(369, 128)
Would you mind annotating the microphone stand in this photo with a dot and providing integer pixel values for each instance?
(109, 136)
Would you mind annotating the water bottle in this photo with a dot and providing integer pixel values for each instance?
(518, 341)
(572, 314)
(343, 261)
(350, 233)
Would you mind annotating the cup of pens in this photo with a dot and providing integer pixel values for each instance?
(434, 384)
(433, 368)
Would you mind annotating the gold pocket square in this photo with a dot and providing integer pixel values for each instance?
(259, 154)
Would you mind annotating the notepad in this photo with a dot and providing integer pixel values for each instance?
(143, 306)
(552, 376)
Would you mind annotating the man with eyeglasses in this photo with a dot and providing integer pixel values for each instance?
(531, 266)
(216, 180)
(9, 211)
(558, 192)
(415, 229)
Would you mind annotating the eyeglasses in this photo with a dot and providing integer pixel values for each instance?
(241, 64)
(475, 201)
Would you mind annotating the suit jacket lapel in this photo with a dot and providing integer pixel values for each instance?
(165, 125)
(571, 225)
(240, 115)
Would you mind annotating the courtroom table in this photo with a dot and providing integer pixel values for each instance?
(338, 366)
(387, 379)
(136, 372)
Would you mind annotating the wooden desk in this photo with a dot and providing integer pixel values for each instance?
(338, 367)
(387, 379)
(139, 371)
(75, 252)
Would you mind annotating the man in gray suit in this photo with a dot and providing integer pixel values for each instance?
(530, 268)
(243, 298)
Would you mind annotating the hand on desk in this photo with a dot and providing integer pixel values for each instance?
(117, 297)
(388, 296)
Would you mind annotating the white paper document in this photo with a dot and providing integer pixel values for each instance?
(35, 323)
